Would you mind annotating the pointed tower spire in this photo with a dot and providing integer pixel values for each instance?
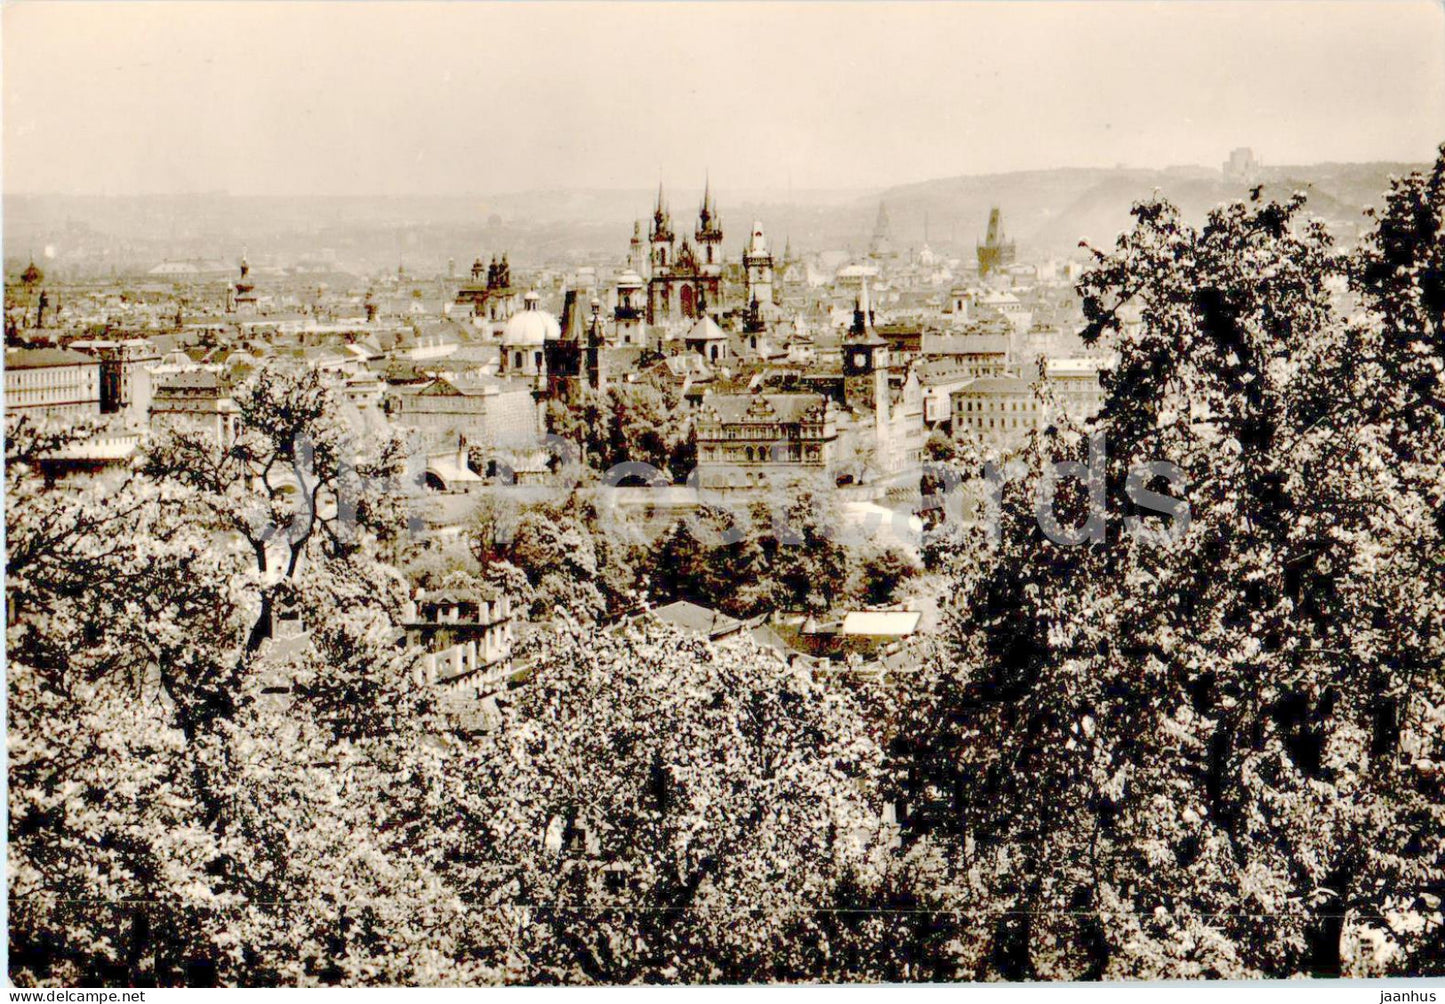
(862, 329)
(709, 205)
(709, 228)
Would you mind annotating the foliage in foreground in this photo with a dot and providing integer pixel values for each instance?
(1220, 756)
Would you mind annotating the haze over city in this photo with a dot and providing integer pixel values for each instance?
(724, 493)
(454, 99)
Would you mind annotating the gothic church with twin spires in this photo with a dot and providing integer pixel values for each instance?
(682, 279)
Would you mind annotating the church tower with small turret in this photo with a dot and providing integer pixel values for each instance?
(637, 251)
(758, 263)
(709, 233)
(660, 237)
(865, 362)
(241, 297)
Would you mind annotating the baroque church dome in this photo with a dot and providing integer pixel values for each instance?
(532, 325)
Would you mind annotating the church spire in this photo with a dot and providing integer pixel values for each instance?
(661, 219)
(709, 227)
(709, 208)
(862, 329)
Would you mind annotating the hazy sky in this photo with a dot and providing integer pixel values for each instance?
(461, 98)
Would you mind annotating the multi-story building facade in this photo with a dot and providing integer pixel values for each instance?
(196, 400)
(939, 378)
(978, 355)
(1000, 411)
(1075, 385)
(58, 385)
(763, 440)
(482, 408)
(995, 411)
(466, 637)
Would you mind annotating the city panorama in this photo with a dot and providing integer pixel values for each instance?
(724, 493)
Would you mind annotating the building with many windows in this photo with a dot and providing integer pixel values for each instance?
(996, 411)
(196, 400)
(466, 637)
(763, 440)
(1000, 411)
(54, 384)
(1075, 384)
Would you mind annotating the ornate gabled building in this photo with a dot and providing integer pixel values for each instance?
(679, 277)
(763, 440)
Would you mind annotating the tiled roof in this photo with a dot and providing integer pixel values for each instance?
(996, 385)
(32, 359)
(781, 408)
(700, 619)
(193, 380)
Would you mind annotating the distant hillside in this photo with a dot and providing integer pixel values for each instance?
(1049, 212)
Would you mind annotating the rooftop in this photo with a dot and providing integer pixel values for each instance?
(699, 619)
(32, 359)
